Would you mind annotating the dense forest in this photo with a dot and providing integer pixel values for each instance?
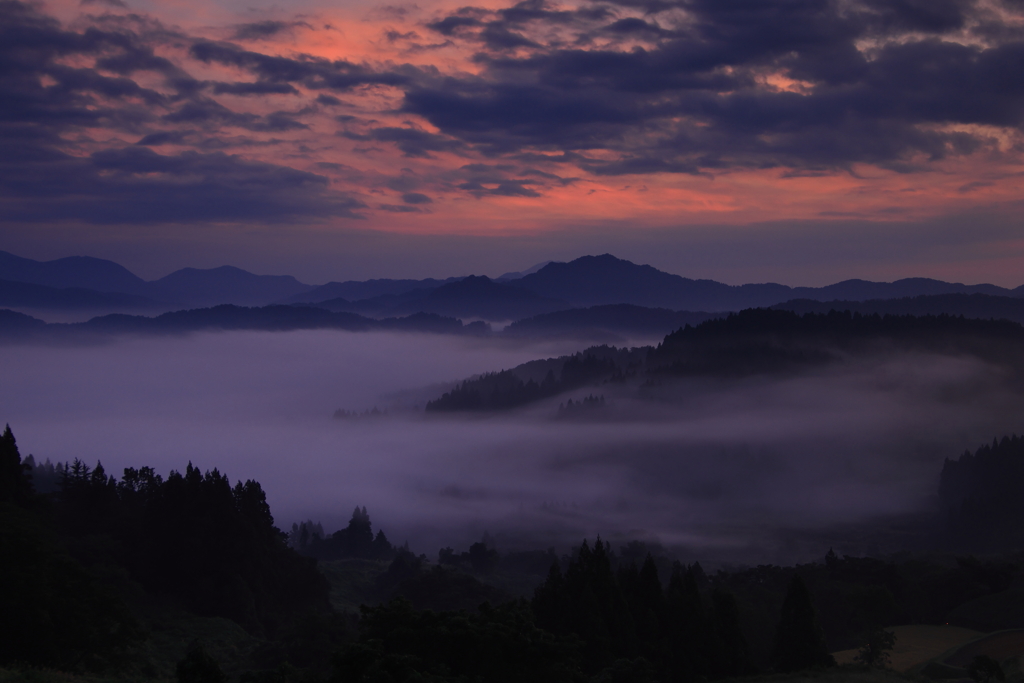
(751, 342)
(506, 389)
(764, 340)
(187, 578)
(980, 495)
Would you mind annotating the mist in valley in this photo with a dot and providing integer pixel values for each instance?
(739, 470)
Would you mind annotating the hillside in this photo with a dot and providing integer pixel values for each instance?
(751, 342)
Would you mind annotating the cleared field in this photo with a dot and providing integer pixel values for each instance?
(919, 643)
(999, 646)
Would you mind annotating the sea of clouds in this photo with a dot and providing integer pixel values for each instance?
(731, 470)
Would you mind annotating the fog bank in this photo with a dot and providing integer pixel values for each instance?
(723, 468)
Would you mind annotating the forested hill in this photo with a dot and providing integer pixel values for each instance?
(21, 327)
(601, 322)
(980, 496)
(540, 379)
(967, 305)
(750, 342)
(91, 569)
(765, 340)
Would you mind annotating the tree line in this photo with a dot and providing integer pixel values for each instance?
(752, 341)
(211, 547)
(980, 497)
(506, 389)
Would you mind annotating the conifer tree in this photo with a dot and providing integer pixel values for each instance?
(15, 475)
(800, 641)
(732, 652)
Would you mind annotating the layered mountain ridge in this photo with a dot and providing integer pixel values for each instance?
(585, 294)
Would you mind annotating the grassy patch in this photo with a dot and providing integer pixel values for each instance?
(919, 643)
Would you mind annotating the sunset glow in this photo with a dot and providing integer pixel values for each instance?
(499, 119)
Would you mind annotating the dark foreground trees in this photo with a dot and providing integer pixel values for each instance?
(75, 563)
(54, 612)
(192, 540)
(195, 538)
(356, 540)
(800, 640)
(980, 497)
(626, 618)
(497, 644)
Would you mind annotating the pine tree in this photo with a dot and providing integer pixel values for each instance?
(800, 641)
(15, 475)
(732, 653)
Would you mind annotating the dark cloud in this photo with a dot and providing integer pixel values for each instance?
(619, 87)
(412, 142)
(44, 101)
(634, 25)
(449, 25)
(506, 117)
(311, 72)
(257, 88)
(536, 10)
(168, 137)
(548, 176)
(265, 29)
(502, 180)
(394, 36)
(695, 98)
(136, 185)
(498, 37)
(416, 198)
(399, 208)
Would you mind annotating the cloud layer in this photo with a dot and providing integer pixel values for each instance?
(119, 117)
(724, 468)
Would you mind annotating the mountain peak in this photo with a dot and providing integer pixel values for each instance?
(72, 271)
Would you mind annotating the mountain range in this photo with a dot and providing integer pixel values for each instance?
(18, 327)
(187, 287)
(968, 305)
(87, 283)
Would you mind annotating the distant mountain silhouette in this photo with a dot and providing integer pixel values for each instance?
(74, 271)
(982, 306)
(353, 290)
(226, 285)
(585, 282)
(476, 296)
(17, 326)
(596, 280)
(606, 322)
(515, 275)
(25, 295)
(14, 325)
(186, 287)
(863, 290)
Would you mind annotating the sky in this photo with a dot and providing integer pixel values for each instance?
(797, 141)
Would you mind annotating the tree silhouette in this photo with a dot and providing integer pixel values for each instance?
(15, 475)
(199, 667)
(984, 669)
(800, 641)
(875, 652)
